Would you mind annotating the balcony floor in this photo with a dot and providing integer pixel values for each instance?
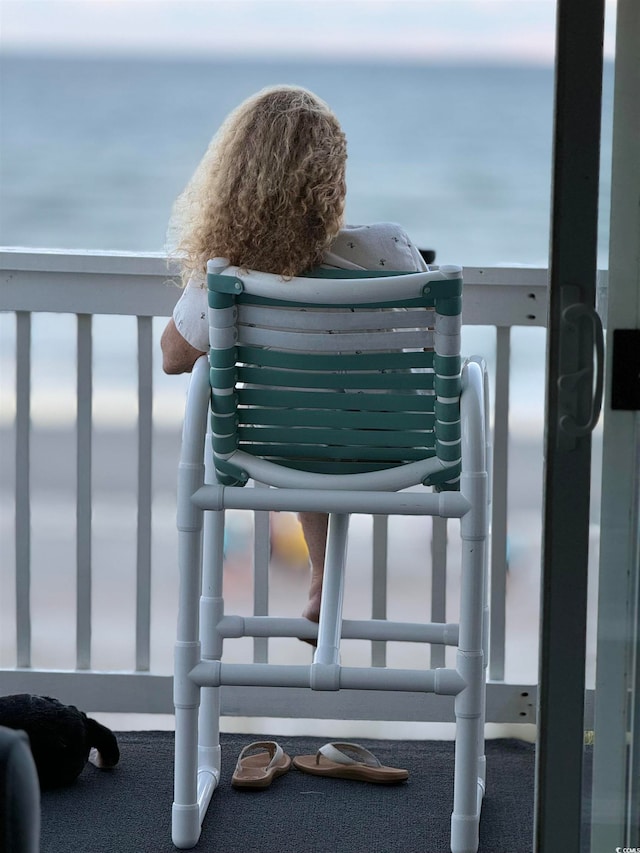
(128, 810)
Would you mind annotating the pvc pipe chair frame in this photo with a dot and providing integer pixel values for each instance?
(373, 486)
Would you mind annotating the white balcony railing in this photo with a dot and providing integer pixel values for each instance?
(55, 624)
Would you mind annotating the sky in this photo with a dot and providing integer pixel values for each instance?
(392, 30)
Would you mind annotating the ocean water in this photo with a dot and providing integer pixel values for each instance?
(95, 150)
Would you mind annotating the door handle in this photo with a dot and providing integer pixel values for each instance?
(578, 320)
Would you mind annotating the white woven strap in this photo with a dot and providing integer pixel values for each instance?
(347, 753)
(270, 746)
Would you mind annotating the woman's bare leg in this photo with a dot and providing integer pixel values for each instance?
(314, 527)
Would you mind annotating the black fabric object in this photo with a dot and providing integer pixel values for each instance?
(129, 809)
(61, 737)
(19, 795)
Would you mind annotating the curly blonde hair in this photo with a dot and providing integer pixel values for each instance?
(269, 193)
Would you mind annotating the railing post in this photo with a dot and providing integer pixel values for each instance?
(499, 506)
(145, 444)
(380, 535)
(84, 378)
(22, 488)
(438, 583)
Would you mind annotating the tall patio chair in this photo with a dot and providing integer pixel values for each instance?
(338, 404)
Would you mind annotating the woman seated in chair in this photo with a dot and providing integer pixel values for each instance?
(269, 195)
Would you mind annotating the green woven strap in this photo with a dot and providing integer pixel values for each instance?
(339, 419)
(345, 438)
(446, 480)
(301, 379)
(228, 474)
(338, 399)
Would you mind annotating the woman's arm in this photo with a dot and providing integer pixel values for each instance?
(178, 356)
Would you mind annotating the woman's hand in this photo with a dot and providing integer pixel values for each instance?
(178, 356)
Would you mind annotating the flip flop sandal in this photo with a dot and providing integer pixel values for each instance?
(259, 763)
(349, 761)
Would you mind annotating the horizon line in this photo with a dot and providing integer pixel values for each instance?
(307, 58)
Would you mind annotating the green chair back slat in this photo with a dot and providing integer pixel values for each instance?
(286, 398)
(339, 466)
(362, 456)
(345, 437)
(306, 379)
(335, 419)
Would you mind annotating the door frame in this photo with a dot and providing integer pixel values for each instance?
(572, 406)
(615, 820)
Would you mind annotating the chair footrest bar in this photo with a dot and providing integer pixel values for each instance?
(446, 633)
(443, 504)
(447, 682)
(443, 681)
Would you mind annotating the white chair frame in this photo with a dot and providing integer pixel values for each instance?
(202, 625)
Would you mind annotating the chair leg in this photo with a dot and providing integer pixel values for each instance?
(482, 761)
(465, 819)
(185, 813)
(469, 704)
(211, 612)
(209, 751)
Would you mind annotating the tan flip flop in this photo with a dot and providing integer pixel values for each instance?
(349, 761)
(259, 763)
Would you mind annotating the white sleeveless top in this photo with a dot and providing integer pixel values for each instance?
(383, 245)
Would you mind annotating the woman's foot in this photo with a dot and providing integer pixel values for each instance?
(314, 526)
(312, 608)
